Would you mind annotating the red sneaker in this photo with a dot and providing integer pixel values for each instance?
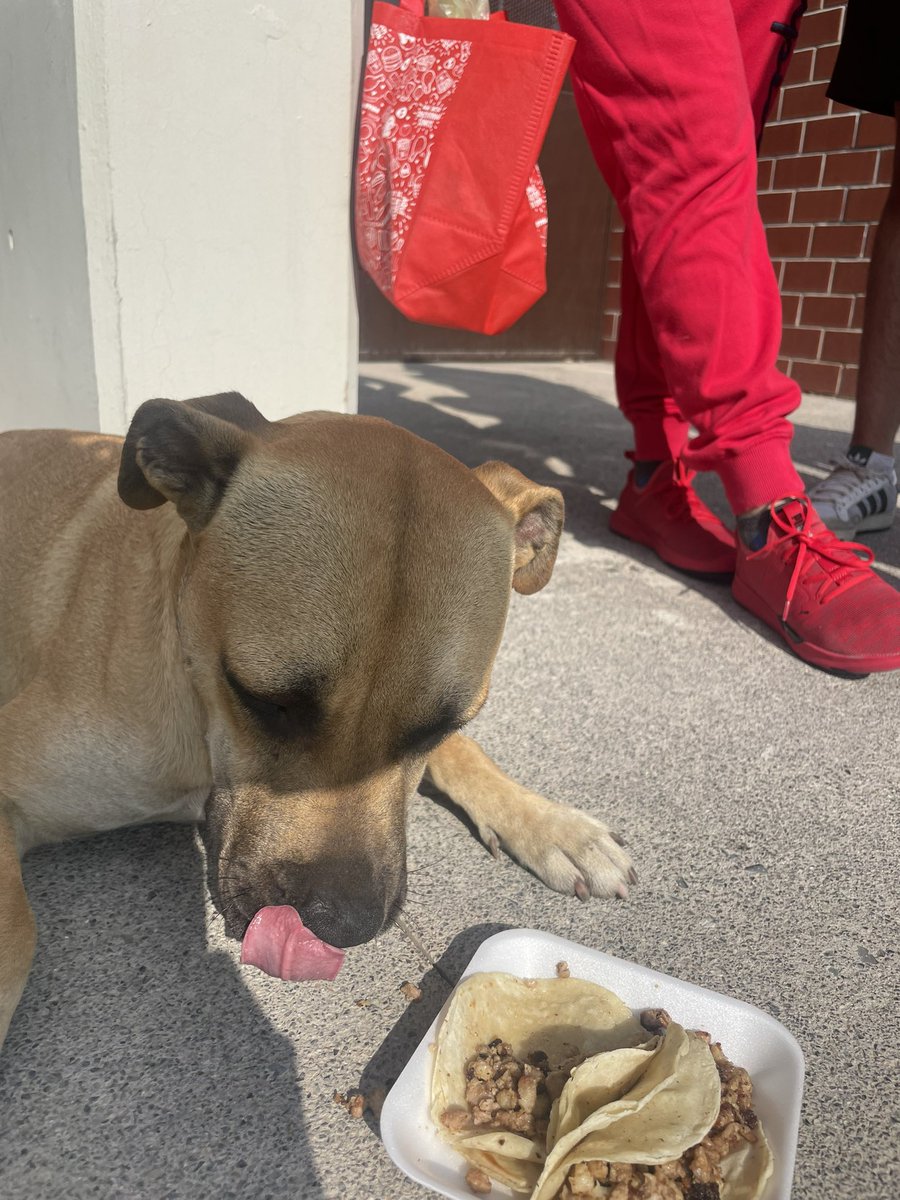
(667, 515)
(820, 594)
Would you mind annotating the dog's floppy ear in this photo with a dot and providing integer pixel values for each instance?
(538, 513)
(186, 452)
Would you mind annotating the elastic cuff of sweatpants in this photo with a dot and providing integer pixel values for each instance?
(657, 439)
(755, 477)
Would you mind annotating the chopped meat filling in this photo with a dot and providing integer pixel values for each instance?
(504, 1092)
(655, 1020)
(354, 1102)
(694, 1176)
(479, 1181)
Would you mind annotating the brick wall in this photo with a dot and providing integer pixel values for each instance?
(823, 176)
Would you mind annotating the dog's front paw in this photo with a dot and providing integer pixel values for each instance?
(570, 851)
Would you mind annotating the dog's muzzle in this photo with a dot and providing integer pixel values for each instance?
(343, 901)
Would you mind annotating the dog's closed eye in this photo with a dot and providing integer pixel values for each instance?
(286, 715)
(428, 736)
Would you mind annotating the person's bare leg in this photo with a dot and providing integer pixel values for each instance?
(878, 390)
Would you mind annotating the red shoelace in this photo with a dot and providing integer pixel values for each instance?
(844, 563)
(683, 498)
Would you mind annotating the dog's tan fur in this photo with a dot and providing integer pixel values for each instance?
(277, 651)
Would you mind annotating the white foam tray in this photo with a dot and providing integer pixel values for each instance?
(749, 1037)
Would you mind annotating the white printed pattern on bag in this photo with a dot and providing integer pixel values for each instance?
(537, 200)
(409, 83)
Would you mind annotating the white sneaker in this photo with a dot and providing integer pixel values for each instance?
(860, 494)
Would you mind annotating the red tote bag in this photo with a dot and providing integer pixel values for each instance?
(451, 213)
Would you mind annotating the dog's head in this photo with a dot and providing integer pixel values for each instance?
(344, 594)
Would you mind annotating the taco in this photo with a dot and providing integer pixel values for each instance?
(553, 1088)
(685, 1131)
(668, 1109)
(504, 1052)
(598, 1081)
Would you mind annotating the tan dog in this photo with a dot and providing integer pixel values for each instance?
(281, 651)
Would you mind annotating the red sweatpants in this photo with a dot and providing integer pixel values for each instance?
(672, 95)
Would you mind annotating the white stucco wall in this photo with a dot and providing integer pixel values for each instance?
(215, 155)
(46, 345)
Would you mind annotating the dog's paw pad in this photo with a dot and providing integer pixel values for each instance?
(572, 852)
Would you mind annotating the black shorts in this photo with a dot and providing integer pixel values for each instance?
(867, 72)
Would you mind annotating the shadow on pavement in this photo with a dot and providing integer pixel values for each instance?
(138, 1063)
(565, 437)
(479, 415)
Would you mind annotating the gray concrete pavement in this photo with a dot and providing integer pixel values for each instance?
(758, 797)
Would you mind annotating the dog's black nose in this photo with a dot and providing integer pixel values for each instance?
(343, 903)
(339, 922)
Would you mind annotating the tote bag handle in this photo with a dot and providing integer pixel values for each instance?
(417, 9)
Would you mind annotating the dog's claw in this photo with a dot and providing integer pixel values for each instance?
(632, 875)
(493, 844)
(582, 891)
(618, 839)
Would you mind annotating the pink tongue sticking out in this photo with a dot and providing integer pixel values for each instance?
(279, 943)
